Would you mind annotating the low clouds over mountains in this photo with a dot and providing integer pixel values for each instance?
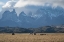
(32, 13)
(42, 16)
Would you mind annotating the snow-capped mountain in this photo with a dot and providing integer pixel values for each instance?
(43, 16)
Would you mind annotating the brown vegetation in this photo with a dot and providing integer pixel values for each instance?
(53, 37)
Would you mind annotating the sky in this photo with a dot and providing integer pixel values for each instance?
(2, 2)
(10, 4)
(22, 3)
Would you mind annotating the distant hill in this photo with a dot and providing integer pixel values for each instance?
(44, 29)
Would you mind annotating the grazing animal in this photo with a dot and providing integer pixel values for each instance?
(31, 33)
(42, 34)
(34, 33)
(13, 33)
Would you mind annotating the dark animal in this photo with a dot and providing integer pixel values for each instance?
(34, 33)
(42, 34)
(13, 33)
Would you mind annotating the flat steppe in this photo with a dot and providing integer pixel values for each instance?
(26, 37)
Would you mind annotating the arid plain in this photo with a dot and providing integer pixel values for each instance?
(26, 37)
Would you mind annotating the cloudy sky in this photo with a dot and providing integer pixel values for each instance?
(22, 3)
(10, 4)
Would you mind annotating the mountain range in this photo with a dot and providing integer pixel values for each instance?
(43, 16)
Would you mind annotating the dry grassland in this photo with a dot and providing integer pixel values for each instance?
(53, 37)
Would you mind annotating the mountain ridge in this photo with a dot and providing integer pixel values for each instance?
(42, 17)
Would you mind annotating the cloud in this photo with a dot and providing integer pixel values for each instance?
(22, 3)
(19, 5)
(1, 3)
(9, 4)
